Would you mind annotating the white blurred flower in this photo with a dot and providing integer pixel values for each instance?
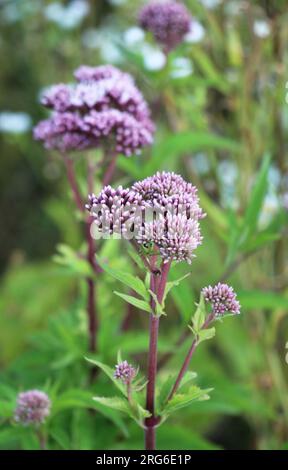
(14, 122)
(117, 2)
(211, 3)
(200, 163)
(261, 28)
(105, 40)
(227, 172)
(269, 209)
(67, 17)
(11, 13)
(284, 200)
(196, 33)
(110, 53)
(274, 177)
(134, 35)
(15, 11)
(234, 8)
(90, 39)
(154, 59)
(182, 67)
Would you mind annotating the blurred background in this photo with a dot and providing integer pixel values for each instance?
(220, 104)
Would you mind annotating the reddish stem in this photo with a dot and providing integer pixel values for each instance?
(91, 303)
(187, 359)
(110, 170)
(157, 286)
(73, 183)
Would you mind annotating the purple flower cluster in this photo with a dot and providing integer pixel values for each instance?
(33, 407)
(167, 191)
(174, 228)
(115, 211)
(125, 372)
(168, 21)
(103, 108)
(162, 209)
(222, 298)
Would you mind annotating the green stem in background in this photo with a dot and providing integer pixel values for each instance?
(157, 286)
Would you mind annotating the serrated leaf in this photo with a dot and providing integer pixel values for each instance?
(205, 334)
(166, 386)
(67, 257)
(75, 398)
(141, 304)
(185, 399)
(257, 196)
(142, 413)
(133, 282)
(116, 403)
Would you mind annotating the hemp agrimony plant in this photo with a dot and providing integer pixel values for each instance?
(160, 217)
(105, 110)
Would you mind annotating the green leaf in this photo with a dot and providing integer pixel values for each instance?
(75, 398)
(128, 279)
(217, 216)
(70, 259)
(260, 240)
(183, 400)
(167, 385)
(175, 283)
(110, 373)
(257, 299)
(159, 308)
(198, 318)
(205, 334)
(6, 409)
(257, 196)
(61, 437)
(142, 413)
(176, 145)
(141, 304)
(134, 411)
(116, 403)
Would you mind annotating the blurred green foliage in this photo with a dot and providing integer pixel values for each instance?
(223, 125)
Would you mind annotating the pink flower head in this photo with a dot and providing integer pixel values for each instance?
(222, 298)
(103, 108)
(33, 407)
(168, 21)
(115, 210)
(125, 372)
